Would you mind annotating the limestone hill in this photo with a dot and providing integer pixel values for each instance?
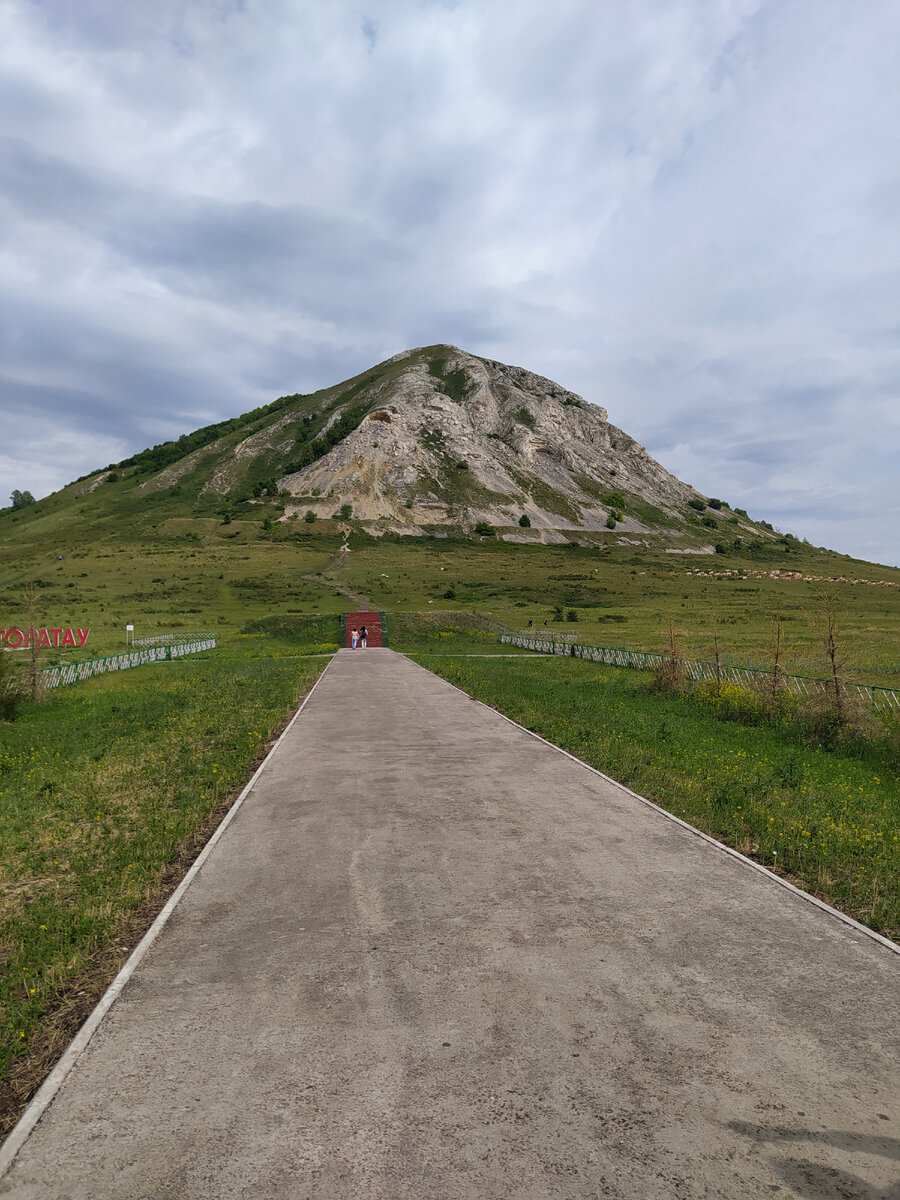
(432, 441)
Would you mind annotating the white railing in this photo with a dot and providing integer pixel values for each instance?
(166, 639)
(53, 677)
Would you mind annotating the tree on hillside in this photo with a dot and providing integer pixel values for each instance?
(21, 499)
(34, 655)
(826, 626)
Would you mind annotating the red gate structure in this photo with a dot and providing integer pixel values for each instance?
(372, 622)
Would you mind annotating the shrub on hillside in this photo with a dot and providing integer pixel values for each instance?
(524, 521)
(12, 687)
(699, 505)
(668, 674)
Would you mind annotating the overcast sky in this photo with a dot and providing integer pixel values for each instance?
(685, 210)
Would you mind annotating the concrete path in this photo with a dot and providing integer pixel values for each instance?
(432, 957)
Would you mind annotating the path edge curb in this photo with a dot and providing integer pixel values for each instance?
(742, 858)
(48, 1090)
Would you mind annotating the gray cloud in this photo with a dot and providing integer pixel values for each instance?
(684, 212)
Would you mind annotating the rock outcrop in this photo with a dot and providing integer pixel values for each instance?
(435, 441)
(452, 439)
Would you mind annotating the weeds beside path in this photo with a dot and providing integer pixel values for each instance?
(108, 792)
(829, 819)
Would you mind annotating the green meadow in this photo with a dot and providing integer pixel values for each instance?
(103, 784)
(204, 574)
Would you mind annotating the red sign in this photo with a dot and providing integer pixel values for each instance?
(24, 639)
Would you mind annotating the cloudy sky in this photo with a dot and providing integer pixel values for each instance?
(685, 210)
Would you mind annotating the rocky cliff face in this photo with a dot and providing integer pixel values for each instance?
(448, 439)
(436, 440)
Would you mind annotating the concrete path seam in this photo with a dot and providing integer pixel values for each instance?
(47, 1092)
(749, 862)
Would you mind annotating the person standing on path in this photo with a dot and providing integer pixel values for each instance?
(363, 634)
(354, 638)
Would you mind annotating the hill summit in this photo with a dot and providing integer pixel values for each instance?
(436, 439)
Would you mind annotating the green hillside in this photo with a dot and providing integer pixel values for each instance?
(108, 788)
(148, 541)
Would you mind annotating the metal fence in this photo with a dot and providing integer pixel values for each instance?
(167, 639)
(52, 677)
(802, 685)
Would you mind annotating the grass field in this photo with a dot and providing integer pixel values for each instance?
(828, 818)
(198, 574)
(101, 784)
(627, 599)
(105, 784)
